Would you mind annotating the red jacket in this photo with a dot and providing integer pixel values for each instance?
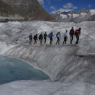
(77, 32)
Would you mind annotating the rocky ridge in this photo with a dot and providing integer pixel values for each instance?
(77, 17)
(26, 10)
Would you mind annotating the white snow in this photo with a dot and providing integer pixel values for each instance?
(4, 47)
(4, 17)
(75, 15)
(58, 12)
(70, 15)
(92, 12)
(83, 14)
(63, 16)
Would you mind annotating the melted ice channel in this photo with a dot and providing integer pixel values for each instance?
(12, 69)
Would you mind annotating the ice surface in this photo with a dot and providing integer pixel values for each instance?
(66, 63)
(61, 62)
(46, 88)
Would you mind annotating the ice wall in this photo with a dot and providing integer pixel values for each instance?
(61, 62)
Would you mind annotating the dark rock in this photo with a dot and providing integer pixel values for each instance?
(29, 10)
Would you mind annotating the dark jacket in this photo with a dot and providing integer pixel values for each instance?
(45, 35)
(41, 36)
(30, 37)
(35, 37)
(71, 32)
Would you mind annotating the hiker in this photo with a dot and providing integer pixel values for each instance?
(58, 36)
(65, 37)
(30, 38)
(71, 35)
(77, 34)
(35, 39)
(41, 38)
(50, 36)
(45, 37)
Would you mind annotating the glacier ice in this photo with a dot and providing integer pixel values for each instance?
(46, 88)
(65, 63)
(61, 62)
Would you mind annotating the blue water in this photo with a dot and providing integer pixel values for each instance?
(12, 69)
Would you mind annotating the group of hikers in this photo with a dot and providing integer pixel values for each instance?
(58, 36)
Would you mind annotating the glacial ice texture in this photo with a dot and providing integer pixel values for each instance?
(66, 63)
(47, 88)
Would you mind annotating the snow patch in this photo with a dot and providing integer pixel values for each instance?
(63, 16)
(4, 47)
(83, 15)
(92, 12)
(58, 12)
(70, 15)
(5, 18)
(75, 15)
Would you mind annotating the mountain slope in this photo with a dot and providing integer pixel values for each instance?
(92, 18)
(71, 16)
(30, 10)
(7, 11)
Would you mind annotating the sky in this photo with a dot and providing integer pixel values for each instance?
(52, 6)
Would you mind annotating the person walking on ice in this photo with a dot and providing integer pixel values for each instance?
(51, 37)
(45, 37)
(58, 36)
(35, 39)
(41, 38)
(30, 38)
(65, 37)
(71, 35)
(77, 34)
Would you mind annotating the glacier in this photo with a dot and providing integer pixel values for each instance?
(46, 88)
(68, 65)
